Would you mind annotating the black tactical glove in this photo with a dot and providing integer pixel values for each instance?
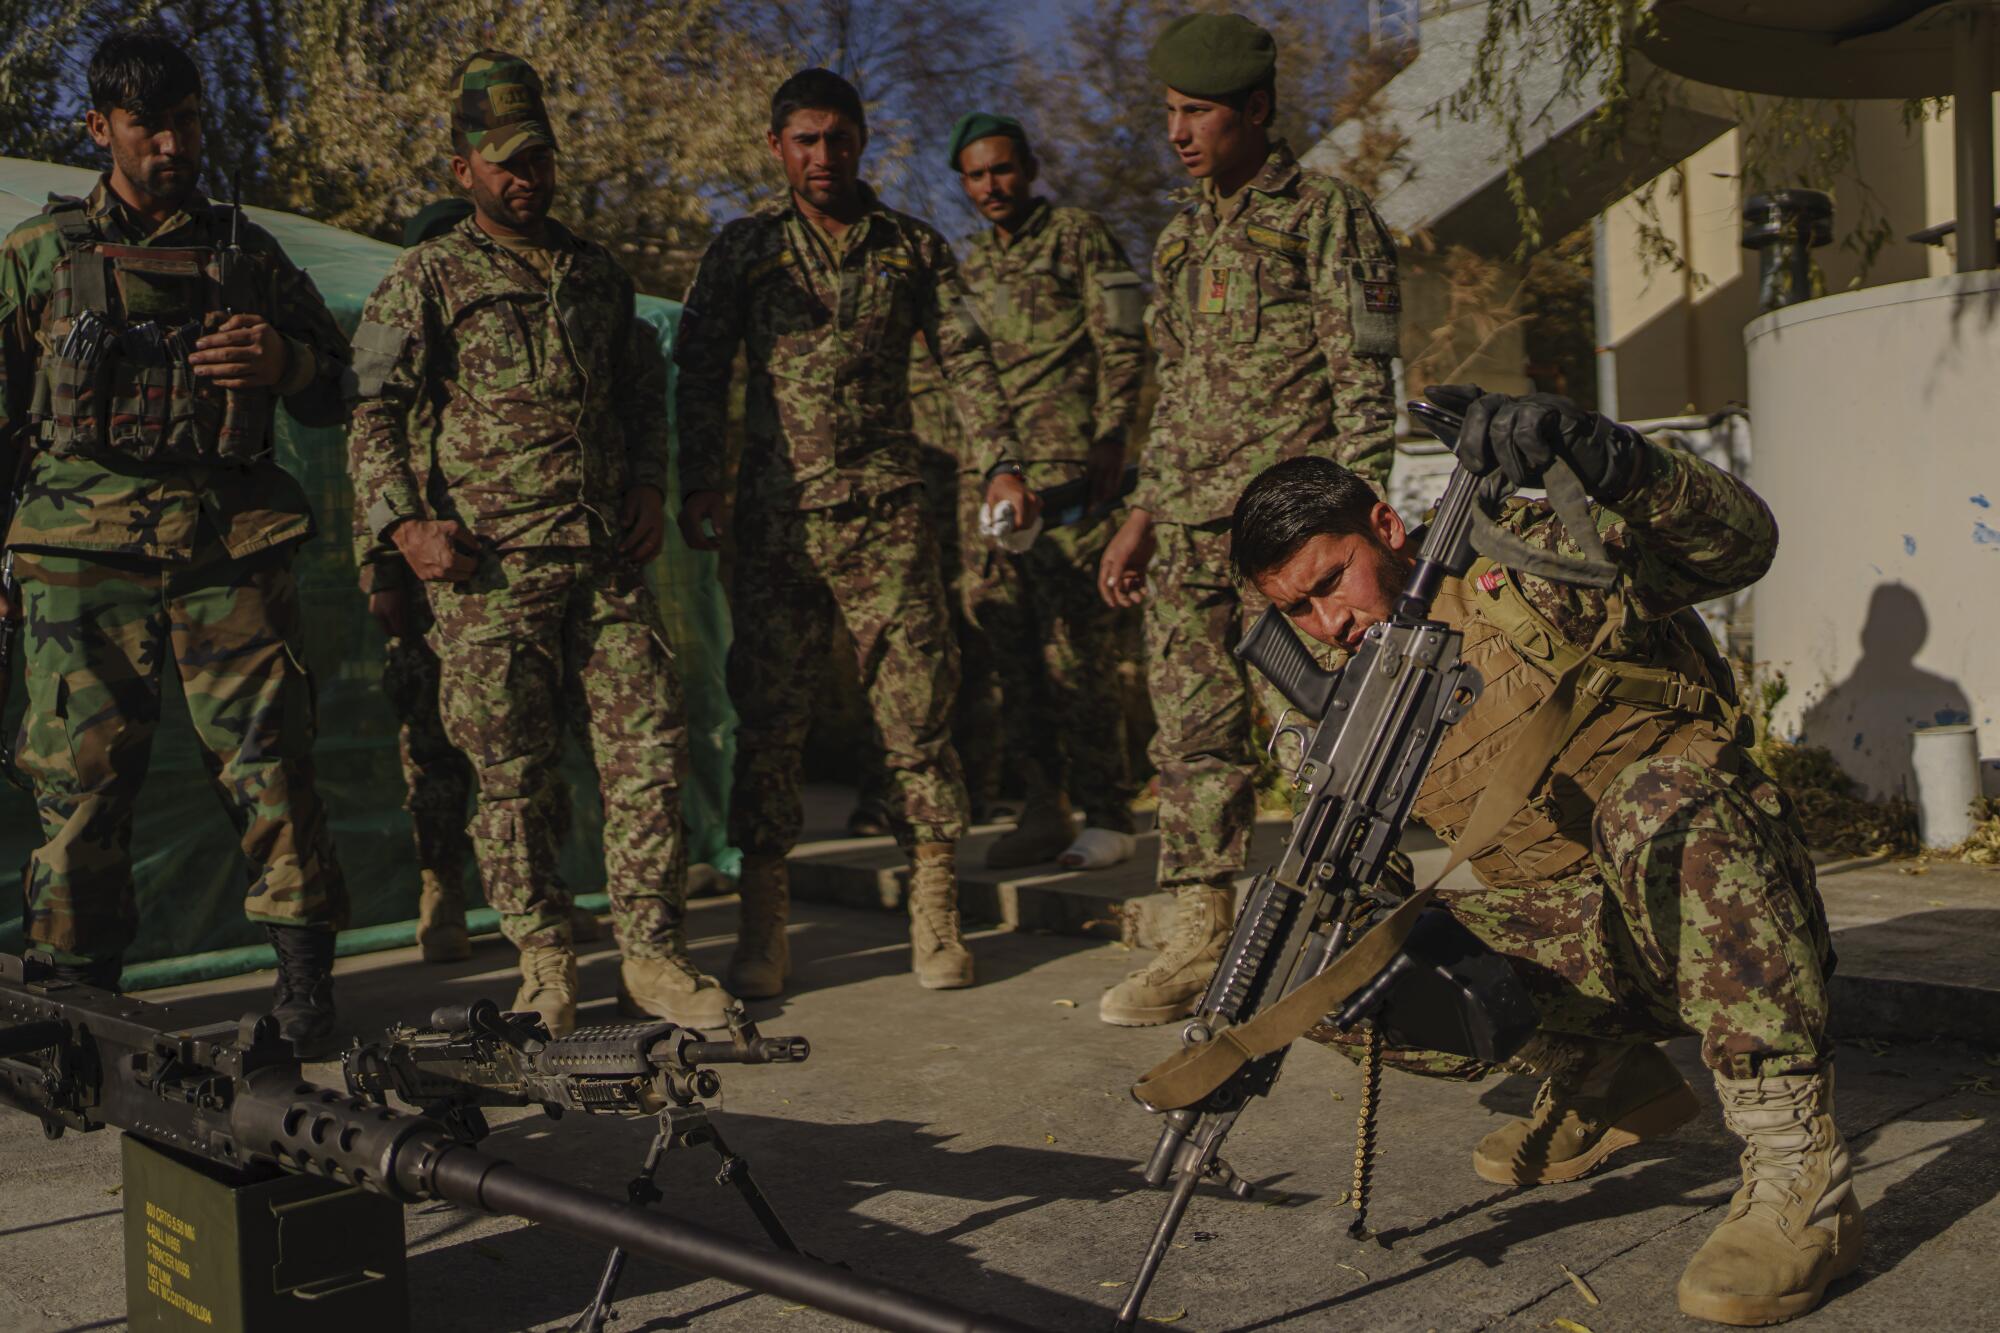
(1518, 437)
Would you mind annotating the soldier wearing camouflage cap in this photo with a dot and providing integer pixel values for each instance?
(1274, 314)
(1063, 310)
(825, 291)
(509, 441)
(141, 361)
(1654, 883)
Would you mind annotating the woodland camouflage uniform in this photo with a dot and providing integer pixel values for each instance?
(1274, 315)
(1064, 311)
(527, 405)
(1659, 882)
(128, 565)
(830, 516)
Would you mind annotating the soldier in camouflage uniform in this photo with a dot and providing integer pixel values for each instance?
(154, 527)
(1063, 309)
(825, 292)
(509, 439)
(1274, 315)
(440, 778)
(1656, 883)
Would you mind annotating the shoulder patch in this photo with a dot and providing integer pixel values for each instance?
(1170, 252)
(900, 260)
(1270, 238)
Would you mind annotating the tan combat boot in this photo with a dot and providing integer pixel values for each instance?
(937, 951)
(1043, 831)
(441, 933)
(1597, 1097)
(1793, 1228)
(548, 986)
(763, 956)
(672, 988)
(1174, 983)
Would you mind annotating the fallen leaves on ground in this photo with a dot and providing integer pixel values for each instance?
(1568, 1326)
(1064, 1004)
(1352, 1269)
(1582, 1287)
(1114, 1284)
(1167, 1318)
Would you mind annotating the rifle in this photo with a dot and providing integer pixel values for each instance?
(230, 1094)
(473, 1056)
(1321, 936)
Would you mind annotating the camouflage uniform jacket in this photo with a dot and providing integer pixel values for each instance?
(1065, 312)
(524, 407)
(828, 341)
(1274, 315)
(156, 510)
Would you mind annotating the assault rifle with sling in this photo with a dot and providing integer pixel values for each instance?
(473, 1056)
(230, 1096)
(1322, 938)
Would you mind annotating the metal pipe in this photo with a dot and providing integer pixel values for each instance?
(1972, 125)
(469, 1177)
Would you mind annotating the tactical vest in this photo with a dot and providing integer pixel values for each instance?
(1684, 704)
(132, 397)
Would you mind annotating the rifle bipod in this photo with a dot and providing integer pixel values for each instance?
(680, 1127)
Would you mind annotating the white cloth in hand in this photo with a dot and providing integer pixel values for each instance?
(996, 524)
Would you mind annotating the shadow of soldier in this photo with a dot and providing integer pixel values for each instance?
(1866, 719)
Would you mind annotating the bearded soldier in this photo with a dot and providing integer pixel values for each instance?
(1656, 883)
(1062, 307)
(825, 292)
(1274, 315)
(146, 336)
(509, 440)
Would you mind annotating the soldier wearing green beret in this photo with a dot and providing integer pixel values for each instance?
(1275, 319)
(1064, 310)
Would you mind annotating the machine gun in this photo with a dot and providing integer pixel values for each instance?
(1321, 937)
(230, 1095)
(472, 1056)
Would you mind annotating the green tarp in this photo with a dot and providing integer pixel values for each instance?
(190, 874)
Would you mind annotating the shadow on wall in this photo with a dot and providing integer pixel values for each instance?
(1866, 720)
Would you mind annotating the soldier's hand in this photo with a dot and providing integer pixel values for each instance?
(1519, 437)
(1121, 575)
(244, 352)
(645, 520)
(1010, 489)
(437, 551)
(8, 611)
(704, 507)
(391, 609)
(1105, 468)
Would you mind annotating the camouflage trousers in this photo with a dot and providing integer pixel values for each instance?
(535, 641)
(1699, 914)
(440, 778)
(874, 563)
(1194, 612)
(98, 633)
(1053, 643)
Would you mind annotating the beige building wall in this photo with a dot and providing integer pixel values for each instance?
(1676, 333)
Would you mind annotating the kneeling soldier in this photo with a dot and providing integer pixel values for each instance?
(1657, 884)
(510, 440)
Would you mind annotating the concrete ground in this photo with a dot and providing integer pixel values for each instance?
(980, 1146)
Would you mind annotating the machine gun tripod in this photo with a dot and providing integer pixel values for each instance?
(472, 1056)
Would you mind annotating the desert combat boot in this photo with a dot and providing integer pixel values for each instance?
(548, 984)
(763, 958)
(1597, 1097)
(937, 951)
(1793, 1228)
(441, 933)
(672, 988)
(1174, 983)
(1043, 831)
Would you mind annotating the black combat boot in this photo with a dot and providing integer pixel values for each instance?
(302, 1001)
(99, 972)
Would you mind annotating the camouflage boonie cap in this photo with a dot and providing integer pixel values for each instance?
(496, 98)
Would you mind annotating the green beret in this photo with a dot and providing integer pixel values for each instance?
(435, 220)
(975, 125)
(1213, 55)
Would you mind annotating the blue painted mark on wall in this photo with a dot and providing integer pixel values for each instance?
(1951, 717)
(1909, 544)
(1857, 740)
(1983, 535)
(1982, 502)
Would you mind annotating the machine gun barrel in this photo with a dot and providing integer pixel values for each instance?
(82, 1058)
